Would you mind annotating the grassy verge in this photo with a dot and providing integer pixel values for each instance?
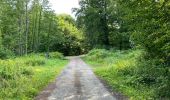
(23, 78)
(129, 73)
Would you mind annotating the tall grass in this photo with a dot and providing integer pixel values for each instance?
(132, 74)
(22, 78)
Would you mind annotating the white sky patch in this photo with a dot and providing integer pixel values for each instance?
(64, 6)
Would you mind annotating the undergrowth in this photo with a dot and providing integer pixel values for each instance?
(131, 73)
(22, 78)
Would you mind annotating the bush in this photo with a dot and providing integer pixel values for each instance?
(154, 73)
(12, 70)
(35, 61)
(56, 55)
(97, 54)
(133, 73)
(144, 73)
(23, 77)
(13, 77)
(5, 53)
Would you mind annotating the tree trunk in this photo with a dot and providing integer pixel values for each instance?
(36, 31)
(106, 29)
(39, 28)
(48, 38)
(19, 31)
(27, 28)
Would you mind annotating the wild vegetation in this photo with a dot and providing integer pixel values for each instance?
(30, 35)
(127, 40)
(28, 26)
(128, 72)
(124, 24)
(24, 77)
(136, 33)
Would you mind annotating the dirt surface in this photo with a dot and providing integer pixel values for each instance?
(76, 82)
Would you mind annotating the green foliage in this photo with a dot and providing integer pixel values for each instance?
(102, 23)
(34, 61)
(92, 18)
(64, 36)
(32, 26)
(153, 73)
(10, 70)
(56, 55)
(22, 81)
(132, 74)
(146, 28)
(4, 53)
(71, 38)
(127, 24)
(97, 54)
(14, 77)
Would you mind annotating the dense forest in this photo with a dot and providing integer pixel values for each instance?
(134, 30)
(32, 26)
(125, 24)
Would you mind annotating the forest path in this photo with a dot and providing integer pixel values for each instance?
(76, 82)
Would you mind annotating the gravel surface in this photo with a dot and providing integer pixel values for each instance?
(78, 82)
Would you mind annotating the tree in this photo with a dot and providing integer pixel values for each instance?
(150, 26)
(93, 14)
(103, 24)
(27, 26)
(1, 10)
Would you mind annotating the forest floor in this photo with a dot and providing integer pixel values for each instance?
(77, 82)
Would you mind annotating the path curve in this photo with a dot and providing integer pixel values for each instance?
(77, 82)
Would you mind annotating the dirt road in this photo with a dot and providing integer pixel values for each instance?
(76, 82)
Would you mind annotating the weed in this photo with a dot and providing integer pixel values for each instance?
(132, 74)
(22, 78)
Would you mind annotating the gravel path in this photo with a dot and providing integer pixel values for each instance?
(78, 82)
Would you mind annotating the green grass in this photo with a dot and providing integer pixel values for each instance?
(128, 72)
(24, 77)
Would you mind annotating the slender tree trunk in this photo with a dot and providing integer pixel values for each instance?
(39, 28)
(106, 26)
(0, 37)
(1, 25)
(19, 31)
(20, 23)
(120, 44)
(27, 28)
(36, 31)
(48, 39)
(32, 36)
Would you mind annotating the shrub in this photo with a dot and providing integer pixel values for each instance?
(23, 77)
(154, 73)
(12, 70)
(133, 73)
(5, 53)
(56, 55)
(35, 61)
(98, 54)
